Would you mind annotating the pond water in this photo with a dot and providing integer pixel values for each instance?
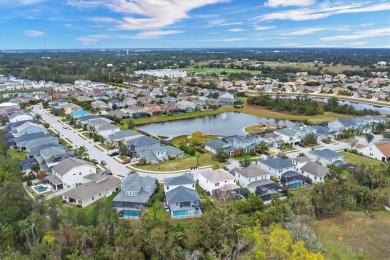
(356, 105)
(226, 124)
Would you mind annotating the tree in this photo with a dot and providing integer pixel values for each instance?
(222, 156)
(369, 138)
(123, 151)
(35, 167)
(130, 124)
(244, 163)
(309, 139)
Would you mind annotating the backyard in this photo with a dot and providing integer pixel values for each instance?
(180, 164)
(16, 154)
(357, 159)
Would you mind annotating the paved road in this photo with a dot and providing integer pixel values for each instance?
(115, 167)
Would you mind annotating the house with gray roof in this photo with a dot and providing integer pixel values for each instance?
(314, 171)
(31, 144)
(135, 194)
(214, 145)
(28, 127)
(183, 202)
(97, 186)
(123, 136)
(70, 172)
(185, 180)
(325, 156)
(276, 166)
(247, 177)
(26, 164)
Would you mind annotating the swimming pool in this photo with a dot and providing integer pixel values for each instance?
(42, 188)
(129, 214)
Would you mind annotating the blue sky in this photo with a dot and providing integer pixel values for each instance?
(26, 24)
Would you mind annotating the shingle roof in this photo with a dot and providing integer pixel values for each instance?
(251, 171)
(179, 180)
(28, 137)
(181, 194)
(325, 153)
(107, 127)
(93, 188)
(384, 147)
(315, 169)
(217, 175)
(142, 141)
(134, 182)
(123, 134)
(69, 163)
(215, 144)
(277, 163)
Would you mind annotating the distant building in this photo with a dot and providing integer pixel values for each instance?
(170, 73)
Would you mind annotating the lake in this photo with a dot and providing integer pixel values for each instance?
(226, 124)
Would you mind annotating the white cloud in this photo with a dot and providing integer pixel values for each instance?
(222, 22)
(306, 31)
(29, 2)
(33, 33)
(264, 28)
(146, 14)
(278, 3)
(236, 30)
(154, 34)
(101, 19)
(359, 35)
(323, 12)
(232, 39)
(92, 39)
(358, 43)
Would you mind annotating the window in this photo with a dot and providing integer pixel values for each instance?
(167, 187)
(80, 173)
(217, 184)
(93, 198)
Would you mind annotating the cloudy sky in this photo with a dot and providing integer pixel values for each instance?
(27, 24)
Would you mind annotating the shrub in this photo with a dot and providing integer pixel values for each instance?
(29, 183)
(187, 149)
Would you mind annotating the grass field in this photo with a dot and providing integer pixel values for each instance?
(255, 129)
(357, 159)
(180, 164)
(362, 236)
(15, 154)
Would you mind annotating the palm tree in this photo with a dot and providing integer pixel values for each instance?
(369, 138)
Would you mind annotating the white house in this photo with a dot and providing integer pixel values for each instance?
(276, 167)
(106, 130)
(70, 172)
(20, 116)
(378, 151)
(97, 186)
(186, 180)
(250, 176)
(226, 95)
(325, 156)
(212, 180)
(314, 171)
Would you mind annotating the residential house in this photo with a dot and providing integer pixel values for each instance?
(79, 113)
(154, 109)
(129, 101)
(28, 127)
(185, 180)
(226, 95)
(185, 105)
(295, 134)
(378, 151)
(123, 136)
(182, 199)
(22, 141)
(141, 144)
(116, 103)
(276, 166)
(100, 105)
(69, 108)
(247, 143)
(211, 180)
(214, 145)
(70, 172)
(314, 171)
(97, 186)
(135, 109)
(119, 113)
(325, 132)
(26, 164)
(324, 156)
(294, 180)
(157, 154)
(106, 130)
(19, 116)
(135, 194)
(250, 176)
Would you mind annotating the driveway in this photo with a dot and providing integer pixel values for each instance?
(115, 167)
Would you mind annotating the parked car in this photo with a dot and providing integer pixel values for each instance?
(302, 145)
(104, 172)
(326, 141)
(65, 127)
(125, 161)
(103, 162)
(114, 153)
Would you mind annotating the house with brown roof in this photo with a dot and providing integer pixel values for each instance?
(379, 151)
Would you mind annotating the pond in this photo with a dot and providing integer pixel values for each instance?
(226, 124)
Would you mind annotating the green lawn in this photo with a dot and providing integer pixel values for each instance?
(16, 154)
(362, 237)
(180, 164)
(357, 159)
(287, 148)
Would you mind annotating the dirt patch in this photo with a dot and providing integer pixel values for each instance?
(356, 235)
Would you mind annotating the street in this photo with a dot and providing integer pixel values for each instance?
(114, 166)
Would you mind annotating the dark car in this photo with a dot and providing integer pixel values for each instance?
(326, 141)
(103, 162)
(302, 145)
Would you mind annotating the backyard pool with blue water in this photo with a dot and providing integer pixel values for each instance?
(129, 213)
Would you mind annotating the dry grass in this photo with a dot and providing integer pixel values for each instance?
(255, 129)
(362, 236)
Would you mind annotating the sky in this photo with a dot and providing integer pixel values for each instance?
(74, 24)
